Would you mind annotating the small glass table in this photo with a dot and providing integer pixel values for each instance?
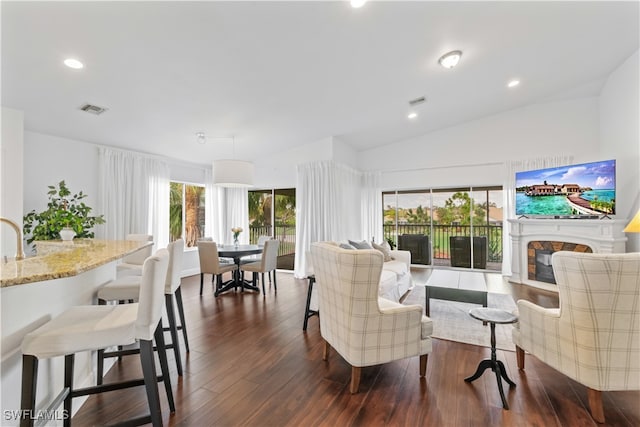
(493, 316)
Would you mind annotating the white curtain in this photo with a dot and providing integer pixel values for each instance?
(133, 196)
(328, 207)
(236, 214)
(509, 197)
(214, 209)
(371, 206)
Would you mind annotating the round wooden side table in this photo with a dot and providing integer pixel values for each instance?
(493, 316)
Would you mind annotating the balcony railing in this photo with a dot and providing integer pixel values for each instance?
(286, 234)
(439, 236)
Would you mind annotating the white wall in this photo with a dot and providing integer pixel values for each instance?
(475, 152)
(279, 170)
(620, 137)
(11, 182)
(345, 154)
(49, 160)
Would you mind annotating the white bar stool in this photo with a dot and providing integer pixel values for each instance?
(89, 328)
(132, 263)
(127, 288)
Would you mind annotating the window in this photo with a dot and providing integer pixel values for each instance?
(186, 213)
(428, 222)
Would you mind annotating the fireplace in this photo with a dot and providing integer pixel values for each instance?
(552, 235)
(539, 253)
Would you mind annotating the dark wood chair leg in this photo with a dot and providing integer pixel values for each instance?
(264, 292)
(356, 371)
(164, 366)
(520, 358)
(308, 312)
(100, 367)
(423, 364)
(28, 393)
(168, 299)
(69, 360)
(275, 283)
(201, 282)
(595, 405)
(325, 350)
(151, 381)
(182, 321)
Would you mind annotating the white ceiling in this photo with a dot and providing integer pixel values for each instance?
(280, 74)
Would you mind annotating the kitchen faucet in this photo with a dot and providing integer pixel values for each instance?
(16, 228)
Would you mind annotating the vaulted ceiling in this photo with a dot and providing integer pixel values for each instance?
(274, 75)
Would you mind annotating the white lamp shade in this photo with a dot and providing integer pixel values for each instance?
(232, 173)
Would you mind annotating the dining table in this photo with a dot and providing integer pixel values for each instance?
(237, 252)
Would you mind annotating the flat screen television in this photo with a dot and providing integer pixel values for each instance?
(587, 189)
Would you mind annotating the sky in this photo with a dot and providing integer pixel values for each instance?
(597, 175)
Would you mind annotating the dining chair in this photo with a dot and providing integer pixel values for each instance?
(90, 328)
(210, 263)
(253, 258)
(268, 263)
(132, 263)
(127, 288)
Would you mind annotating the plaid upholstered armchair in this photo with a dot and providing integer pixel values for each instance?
(364, 329)
(594, 337)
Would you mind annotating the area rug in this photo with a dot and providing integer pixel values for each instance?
(451, 320)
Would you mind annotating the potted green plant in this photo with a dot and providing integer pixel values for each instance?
(64, 211)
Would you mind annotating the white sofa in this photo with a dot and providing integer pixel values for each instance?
(395, 279)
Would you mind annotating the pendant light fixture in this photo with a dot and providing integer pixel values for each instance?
(230, 172)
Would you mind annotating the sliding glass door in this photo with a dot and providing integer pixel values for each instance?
(453, 227)
(273, 213)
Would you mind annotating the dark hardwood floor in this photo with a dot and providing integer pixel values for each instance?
(251, 364)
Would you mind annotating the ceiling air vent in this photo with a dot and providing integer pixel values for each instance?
(93, 109)
(417, 101)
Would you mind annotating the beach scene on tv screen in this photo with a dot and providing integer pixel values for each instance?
(583, 189)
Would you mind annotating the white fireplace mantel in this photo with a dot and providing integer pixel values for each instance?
(601, 235)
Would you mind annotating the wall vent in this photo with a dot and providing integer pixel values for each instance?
(93, 109)
(417, 101)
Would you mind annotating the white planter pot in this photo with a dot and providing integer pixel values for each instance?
(67, 234)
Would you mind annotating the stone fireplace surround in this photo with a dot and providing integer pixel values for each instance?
(601, 235)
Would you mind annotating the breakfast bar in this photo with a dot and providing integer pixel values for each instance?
(38, 288)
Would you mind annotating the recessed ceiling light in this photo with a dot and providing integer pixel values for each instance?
(73, 63)
(450, 59)
(412, 115)
(357, 3)
(513, 83)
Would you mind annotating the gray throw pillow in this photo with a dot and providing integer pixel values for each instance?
(360, 245)
(386, 252)
(346, 246)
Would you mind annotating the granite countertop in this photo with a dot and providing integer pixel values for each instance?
(57, 259)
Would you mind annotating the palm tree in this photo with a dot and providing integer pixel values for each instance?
(175, 211)
(193, 196)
